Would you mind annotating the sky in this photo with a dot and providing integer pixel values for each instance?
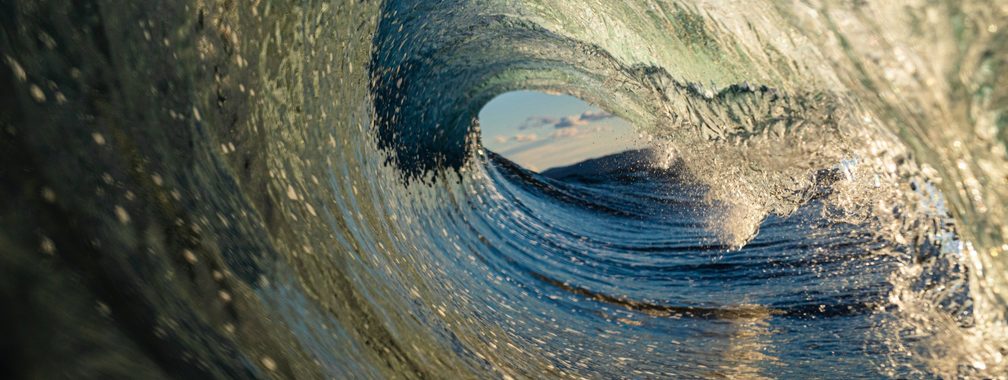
(540, 131)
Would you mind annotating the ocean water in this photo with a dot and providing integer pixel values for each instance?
(270, 189)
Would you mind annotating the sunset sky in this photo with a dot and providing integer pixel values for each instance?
(540, 131)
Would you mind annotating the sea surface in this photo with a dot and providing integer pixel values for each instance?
(297, 189)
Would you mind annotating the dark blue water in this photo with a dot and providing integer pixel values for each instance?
(623, 256)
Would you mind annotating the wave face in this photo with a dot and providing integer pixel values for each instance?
(208, 188)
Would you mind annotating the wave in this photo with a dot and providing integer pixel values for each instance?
(213, 189)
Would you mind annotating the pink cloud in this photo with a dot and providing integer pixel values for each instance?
(570, 121)
(583, 119)
(565, 132)
(595, 115)
(526, 138)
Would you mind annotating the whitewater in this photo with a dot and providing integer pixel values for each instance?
(298, 189)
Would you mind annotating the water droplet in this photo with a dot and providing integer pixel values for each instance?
(121, 214)
(36, 92)
(49, 195)
(269, 363)
(47, 246)
(190, 257)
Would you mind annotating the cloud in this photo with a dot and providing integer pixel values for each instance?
(570, 121)
(537, 122)
(565, 133)
(565, 127)
(595, 115)
(584, 118)
(581, 119)
(526, 138)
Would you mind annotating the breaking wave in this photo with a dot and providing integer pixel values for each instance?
(297, 189)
